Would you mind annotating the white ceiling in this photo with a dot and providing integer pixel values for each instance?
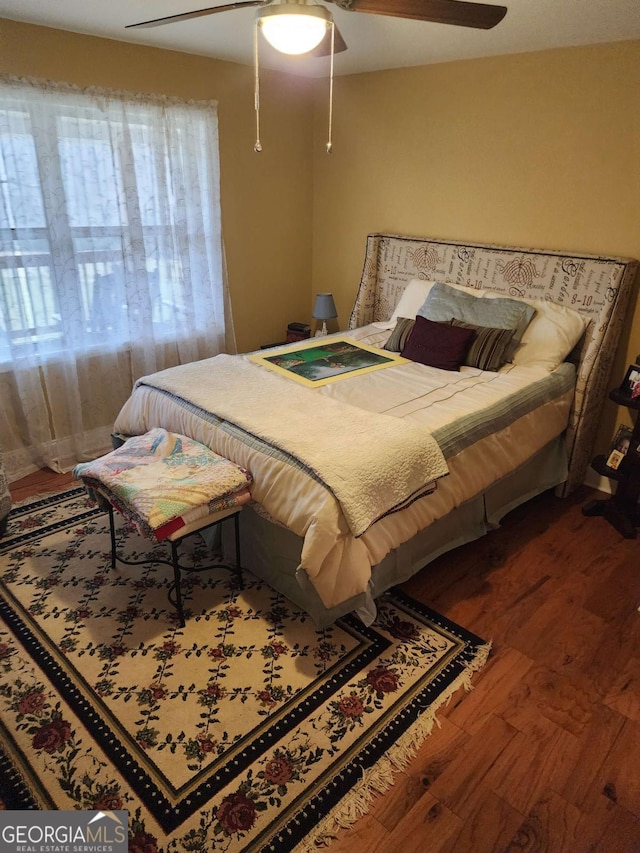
(375, 42)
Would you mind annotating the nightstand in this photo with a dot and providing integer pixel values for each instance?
(622, 509)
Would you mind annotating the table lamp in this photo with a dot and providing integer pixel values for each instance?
(324, 309)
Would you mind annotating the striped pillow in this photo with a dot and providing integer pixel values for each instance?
(398, 337)
(489, 348)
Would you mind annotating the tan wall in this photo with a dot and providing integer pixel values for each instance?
(268, 245)
(539, 150)
(535, 150)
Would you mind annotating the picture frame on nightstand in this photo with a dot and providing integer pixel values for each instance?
(631, 383)
(620, 447)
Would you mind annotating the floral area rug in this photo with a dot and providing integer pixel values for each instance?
(247, 730)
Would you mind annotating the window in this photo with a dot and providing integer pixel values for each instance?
(111, 259)
(109, 221)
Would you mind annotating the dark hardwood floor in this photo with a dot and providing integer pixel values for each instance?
(38, 483)
(544, 753)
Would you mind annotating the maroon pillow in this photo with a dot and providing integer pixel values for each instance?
(438, 344)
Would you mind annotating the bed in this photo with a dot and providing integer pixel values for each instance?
(362, 481)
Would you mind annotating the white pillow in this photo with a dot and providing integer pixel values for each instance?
(412, 299)
(550, 336)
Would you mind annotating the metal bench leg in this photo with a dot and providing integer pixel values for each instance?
(175, 561)
(176, 576)
(112, 530)
(236, 522)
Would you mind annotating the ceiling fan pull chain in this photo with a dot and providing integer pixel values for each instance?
(329, 142)
(256, 91)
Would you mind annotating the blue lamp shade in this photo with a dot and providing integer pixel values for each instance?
(324, 309)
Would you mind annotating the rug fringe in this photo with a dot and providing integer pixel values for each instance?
(378, 779)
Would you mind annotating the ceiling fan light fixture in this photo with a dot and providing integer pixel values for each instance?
(294, 29)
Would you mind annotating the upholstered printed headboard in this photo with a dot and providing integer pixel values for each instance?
(598, 288)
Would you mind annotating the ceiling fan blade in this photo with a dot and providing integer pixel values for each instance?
(199, 13)
(456, 12)
(324, 48)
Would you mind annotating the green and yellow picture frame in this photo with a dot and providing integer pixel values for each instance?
(318, 362)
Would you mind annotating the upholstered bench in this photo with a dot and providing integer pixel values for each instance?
(169, 487)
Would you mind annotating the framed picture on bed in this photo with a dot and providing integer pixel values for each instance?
(317, 363)
(631, 383)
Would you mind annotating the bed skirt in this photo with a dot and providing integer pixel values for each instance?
(273, 553)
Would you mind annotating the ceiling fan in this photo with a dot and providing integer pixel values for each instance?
(315, 17)
(302, 26)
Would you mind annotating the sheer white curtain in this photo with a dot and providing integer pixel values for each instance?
(111, 259)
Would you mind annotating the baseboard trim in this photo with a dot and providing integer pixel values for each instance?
(597, 481)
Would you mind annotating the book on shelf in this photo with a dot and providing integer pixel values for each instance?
(298, 332)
